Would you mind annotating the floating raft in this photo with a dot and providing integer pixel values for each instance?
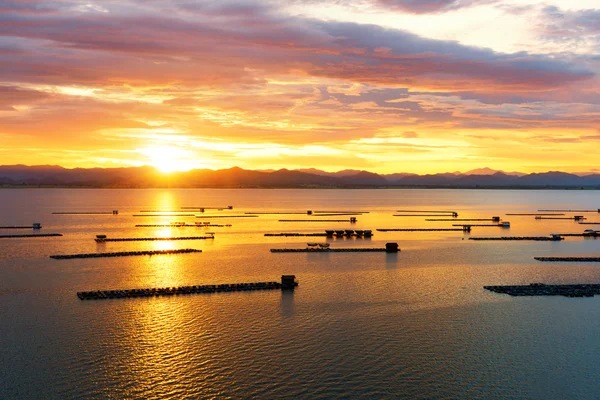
(340, 212)
(33, 235)
(537, 238)
(314, 220)
(496, 225)
(20, 227)
(429, 211)
(420, 229)
(288, 283)
(101, 240)
(295, 234)
(208, 208)
(537, 214)
(541, 289)
(389, 248)
(565, 210)
(587, 234)
(568, 259)
(578, 218)
(330, 250)
(416, 215)
(124, 254)
(226, 216)
(164, 215)
(115, 212)
(276, 213)
(179, 225)
(590, 223)
(463, 219)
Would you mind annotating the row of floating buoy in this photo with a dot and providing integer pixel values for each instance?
(540, 289)
(124, 254)
(349, 232)
(103, 238)
(287, 282)
(320, 248)
(35, 225)
(551, 238)
(569, 259)
(33, 235)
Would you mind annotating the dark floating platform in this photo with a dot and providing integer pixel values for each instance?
(463, 219)
(340, 212)
(389, 248)
(568, 259)
(164, 215)
(287, 282)
(590, 223)
(537, 238)
(429, 211)
(114, 212)
(541, 289)
(569, 210)
(418, 215)
(577, 218)
(33, 235)
(421, 229)
(532, 214)
(295, 234)
(329, 250)
(124, 254)
(488, 225)
(276, 213)
(179, 225)
(207, 208)
(101, 240)
(314, 220)
(21, 227)
(226, 216)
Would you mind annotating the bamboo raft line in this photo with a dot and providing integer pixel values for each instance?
(586, 234)
(569, 218)
(330, 250)
(416, 215)
(227, 216)
(461, 219)
(295, 234)
(86, 213)
(102, 240)
(124, 254)
(276, 213)
(569, 210)
(33, 235)
(420, 229)
(164, 215)
(590, 223)
(542, 289)
(207, 208)
(160, 211)
(568, 259)
(429, 211)
(183, 290)
(535, 238)
(19, 227)
(532, 214)
(314, 220)
(339, 212)
(180, 225)
(495, 225)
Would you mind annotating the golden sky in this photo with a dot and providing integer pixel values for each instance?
(382, 85)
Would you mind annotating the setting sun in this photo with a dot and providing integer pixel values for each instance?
(169, 159)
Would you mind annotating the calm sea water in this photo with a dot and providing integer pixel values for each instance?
(416, 324)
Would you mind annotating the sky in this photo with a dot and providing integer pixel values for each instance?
(381, 85)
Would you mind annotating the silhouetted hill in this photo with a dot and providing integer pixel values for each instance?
(142, 177)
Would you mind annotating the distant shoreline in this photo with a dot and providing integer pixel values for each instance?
(353, 187)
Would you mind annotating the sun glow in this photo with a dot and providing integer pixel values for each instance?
(170, 159)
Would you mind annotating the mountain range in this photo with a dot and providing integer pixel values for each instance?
(149, 177)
